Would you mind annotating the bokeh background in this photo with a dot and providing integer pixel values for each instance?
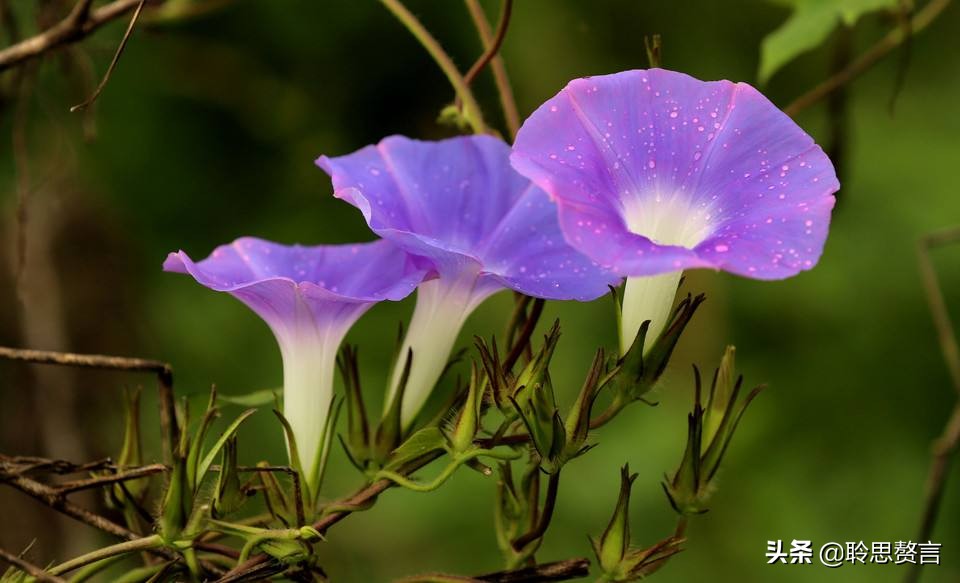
(208, 131)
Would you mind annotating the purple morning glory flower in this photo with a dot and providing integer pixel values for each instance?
(655, 172)
(310, 297)
(482, 227)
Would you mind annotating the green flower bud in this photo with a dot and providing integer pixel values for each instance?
(612, 546)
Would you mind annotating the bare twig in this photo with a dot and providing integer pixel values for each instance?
(99, 481)
(507, 102)
(29, 568)
(22, 465)
(523, 339)
(57, 500)
(556, 571)
(168, 419)
(550, 501)
(113, 62)
(858, 66)
(938, 305)
(81, 22)
(471, 109)
(492, 48)
(946, 445)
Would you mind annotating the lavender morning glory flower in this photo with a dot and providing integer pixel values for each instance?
(310, 297)
(655, 172)
(458, 204)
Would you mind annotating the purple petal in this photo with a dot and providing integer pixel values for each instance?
(656, 171)
(458, 203)
(527, 253)
(325, 285)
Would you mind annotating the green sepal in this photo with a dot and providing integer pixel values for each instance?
(641, 563)
(690, 487)
(280, 507)
(260, 398)
(467, 421)
(684, 490)
(357, 440)
(307, 487)
(228, 495)
(390, 431)
(323, 453)
(229, 432)
(612, 545)
(423, 442)
(500, 385)
(577, 424)
(721, 393)
(536, 374)
(196, 443)
(173, 513)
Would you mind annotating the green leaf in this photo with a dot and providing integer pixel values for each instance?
(196, 444)
(259, 398)
(808, 27)
(427, 440)
(227, 434)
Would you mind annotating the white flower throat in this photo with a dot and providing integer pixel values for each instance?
(665, 220)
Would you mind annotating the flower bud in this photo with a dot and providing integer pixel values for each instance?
(228, 496)
(577, 425)
(468, 419)
(709, 433)
(612, 546)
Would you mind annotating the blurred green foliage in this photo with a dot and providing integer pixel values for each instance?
(208, 131)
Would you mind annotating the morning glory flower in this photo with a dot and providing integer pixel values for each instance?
(482, 228)
(310, 297)
(655, 172)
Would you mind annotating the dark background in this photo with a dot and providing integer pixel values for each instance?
(208, 131)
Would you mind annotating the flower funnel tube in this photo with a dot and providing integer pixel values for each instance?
(475, 223)
(655, 172)
(309, 297)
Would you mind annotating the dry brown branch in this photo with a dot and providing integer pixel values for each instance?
(113, 62)
(556, 571)
(99, 481)
(24, 465)
(80, 23)
(168, 419)
(507, 102)
(29, 568)
(946, 445)
(57, 500)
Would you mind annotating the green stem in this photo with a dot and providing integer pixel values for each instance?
(93, 569)
(458, 461)
(140, 544)
(290, 534)
(608, 414)
(471, 110)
